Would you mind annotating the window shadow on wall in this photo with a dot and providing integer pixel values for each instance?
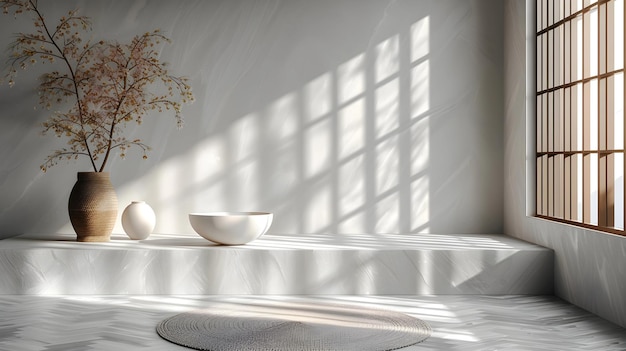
(395, 129)
(346, 152)
(402, 136)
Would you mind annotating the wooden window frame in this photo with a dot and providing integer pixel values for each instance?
(576, 147)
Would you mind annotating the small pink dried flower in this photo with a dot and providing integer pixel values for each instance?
(106, 84)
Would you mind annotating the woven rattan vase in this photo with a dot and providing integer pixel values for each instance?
(93, 206)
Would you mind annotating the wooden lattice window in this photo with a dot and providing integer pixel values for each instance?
(580, 113)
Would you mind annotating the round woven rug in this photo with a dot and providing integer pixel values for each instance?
(290, 326)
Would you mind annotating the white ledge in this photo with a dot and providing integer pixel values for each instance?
(390, 264)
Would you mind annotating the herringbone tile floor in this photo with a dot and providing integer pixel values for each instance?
(459, 322)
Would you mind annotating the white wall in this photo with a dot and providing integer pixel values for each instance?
(590, 267)
(338, 116)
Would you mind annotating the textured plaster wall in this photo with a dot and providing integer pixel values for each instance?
(338, 116)
(589, 266)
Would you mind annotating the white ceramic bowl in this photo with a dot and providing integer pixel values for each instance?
(231, 228)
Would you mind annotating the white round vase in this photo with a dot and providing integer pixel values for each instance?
(138, 220)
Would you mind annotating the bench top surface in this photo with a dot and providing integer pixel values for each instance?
(280, 242)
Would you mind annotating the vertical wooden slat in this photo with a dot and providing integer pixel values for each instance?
(567, 120)
(579, 187)
(569, 134)
(586, 156)
(576, 195)
(544, 17)
(586, 45)
(539, 188)
(602, 159)
(544, 123)
(544, 62)
(574, 49)
(610, 144)
(567, 52)
(586, 195)
(610, 191)
(567, 188)
(539, 125)
(586, 119)
(539, 57)
(556, 54)
(608, 120)
(624, 124)
(544, 185)
(602, 26)
(610, 35)
(541, 80)
(550, 123)
(602, 190)
(550, 59)
(550, 13)
(550, 186)
(559, 185)
(540, 69)
(550, 130)
(608, 117)
(539, 15)
(558, 121)
(601, 120)
(557, 127)
(567, 145)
